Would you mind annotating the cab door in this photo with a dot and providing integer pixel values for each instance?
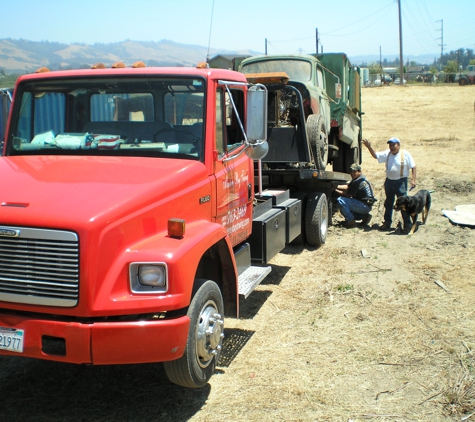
(234, 174)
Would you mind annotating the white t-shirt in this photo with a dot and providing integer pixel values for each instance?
(393, 163)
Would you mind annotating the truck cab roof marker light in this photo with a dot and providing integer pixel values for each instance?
(138, 64)
(176, 228)
(118, 65)
(42, 70)
(98, 66)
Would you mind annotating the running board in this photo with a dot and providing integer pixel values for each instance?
(251, 278)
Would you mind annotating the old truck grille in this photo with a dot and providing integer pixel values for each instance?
(39, 266)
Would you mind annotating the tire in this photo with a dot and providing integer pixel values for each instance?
(346, 157)
(318, 138)
(356, 155)
(205, 337)
(339, 161)
(463, 81)
(352, 155)
(316, 219)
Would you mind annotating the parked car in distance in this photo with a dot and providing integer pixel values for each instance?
(398, 81)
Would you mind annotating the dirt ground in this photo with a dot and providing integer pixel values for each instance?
(371, 326)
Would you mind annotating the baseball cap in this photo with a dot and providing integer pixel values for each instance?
(355, 167)
(394, 141)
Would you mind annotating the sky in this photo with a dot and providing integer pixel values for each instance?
(358, 27)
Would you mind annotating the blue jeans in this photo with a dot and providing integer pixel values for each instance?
(394, 189)
(352, 209)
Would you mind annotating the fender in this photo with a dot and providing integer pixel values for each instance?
(182, 258)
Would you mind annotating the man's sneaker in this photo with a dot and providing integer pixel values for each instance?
(385, 227)
(351, 223)
(366, 219)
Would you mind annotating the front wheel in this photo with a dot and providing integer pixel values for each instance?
(316, 219)
(205, 338)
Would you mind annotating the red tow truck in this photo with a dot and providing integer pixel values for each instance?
(133, 219)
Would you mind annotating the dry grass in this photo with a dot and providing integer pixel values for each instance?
(330, 335)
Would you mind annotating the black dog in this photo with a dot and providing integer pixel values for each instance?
(415, 205)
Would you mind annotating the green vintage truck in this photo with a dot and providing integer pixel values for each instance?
(314, 113)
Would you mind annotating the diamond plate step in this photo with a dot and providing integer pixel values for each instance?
(251, 278)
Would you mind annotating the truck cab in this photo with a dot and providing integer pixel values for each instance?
(128, 209)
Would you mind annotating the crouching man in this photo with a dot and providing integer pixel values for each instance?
(356, 198)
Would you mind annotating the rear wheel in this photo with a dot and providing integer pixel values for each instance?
(463, 81)
(354, 156)
(349, 156)
(205, 337)
(316, 219)
(339, 160)
(318, 138)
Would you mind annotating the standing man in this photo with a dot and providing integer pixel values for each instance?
(356, 198)
(398, 162)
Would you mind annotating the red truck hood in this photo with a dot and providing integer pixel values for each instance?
(70, 192)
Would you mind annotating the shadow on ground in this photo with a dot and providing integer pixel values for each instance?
(42, 391)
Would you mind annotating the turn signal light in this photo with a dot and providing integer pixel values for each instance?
(176, 228)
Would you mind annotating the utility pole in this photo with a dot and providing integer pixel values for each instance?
(266, 47)
(316, 39)
(401, 62)
(442, 41)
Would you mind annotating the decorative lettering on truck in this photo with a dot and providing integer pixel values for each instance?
(234, 206)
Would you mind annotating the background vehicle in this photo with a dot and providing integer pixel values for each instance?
(467, 77)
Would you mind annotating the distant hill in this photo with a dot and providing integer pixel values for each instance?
(23, 56)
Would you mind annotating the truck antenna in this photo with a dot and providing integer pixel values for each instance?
(209, 37)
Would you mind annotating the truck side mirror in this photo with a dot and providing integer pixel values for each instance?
(256, 117)
(257, 151)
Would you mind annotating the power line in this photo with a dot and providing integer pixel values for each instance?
(362, 19)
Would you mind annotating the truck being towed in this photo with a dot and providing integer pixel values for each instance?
(314, 100)
(134, 218)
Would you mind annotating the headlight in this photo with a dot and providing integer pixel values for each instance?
(148, 278)
(152, 275)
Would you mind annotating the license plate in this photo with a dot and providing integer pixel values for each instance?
(11, 339)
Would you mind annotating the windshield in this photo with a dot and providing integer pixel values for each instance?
(109, 116)
(297, 70)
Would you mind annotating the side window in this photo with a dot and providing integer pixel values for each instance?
(320, 78)
(234, 133)
(228, 129)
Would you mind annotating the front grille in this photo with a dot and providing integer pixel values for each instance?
(39, 266)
